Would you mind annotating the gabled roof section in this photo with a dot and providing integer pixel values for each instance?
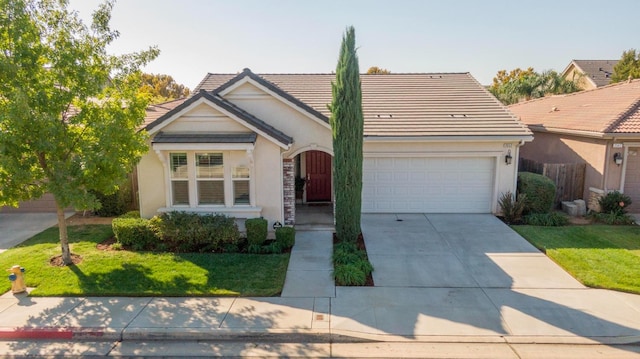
(247, 74)
(597, 71)
(224, 106)
(613, 109)
(401, 105)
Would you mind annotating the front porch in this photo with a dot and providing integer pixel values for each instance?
(312, 216)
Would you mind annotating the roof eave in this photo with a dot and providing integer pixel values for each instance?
(565, 131)
(461, 138)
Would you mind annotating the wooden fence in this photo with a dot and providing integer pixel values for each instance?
(568, 177)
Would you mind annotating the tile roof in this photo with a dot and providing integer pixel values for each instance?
(599, 71)
(163, 137)
(416, 104)
(156, 111)
(611, 109)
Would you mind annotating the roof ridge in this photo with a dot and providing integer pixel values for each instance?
(621, 83)
(619, 119)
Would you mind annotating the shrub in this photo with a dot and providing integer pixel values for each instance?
(351, 266)
(614, 218)
(539, 190)
(135, 233)
(131, 214)
(614, 202)
(349, 274)
(114, 204)
(512, 208)
(256, 230)
(551, 219)
(286, 237)
(193, 232)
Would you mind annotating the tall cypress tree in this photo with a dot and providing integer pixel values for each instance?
(347, 127)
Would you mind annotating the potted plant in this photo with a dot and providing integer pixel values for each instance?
(299, 185)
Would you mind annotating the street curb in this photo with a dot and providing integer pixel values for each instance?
(285, 336)
(60, 333)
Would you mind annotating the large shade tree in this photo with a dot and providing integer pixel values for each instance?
(162, 88)
(69, 111)
(517, 85)
(347, 128)
(627, 67)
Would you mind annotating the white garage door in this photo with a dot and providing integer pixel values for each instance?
(427, 185)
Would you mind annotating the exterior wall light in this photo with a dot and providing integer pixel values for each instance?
(617, 158)
(508, 158)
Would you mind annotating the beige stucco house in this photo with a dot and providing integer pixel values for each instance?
(433, 143)
(590, 74)
(599, 127)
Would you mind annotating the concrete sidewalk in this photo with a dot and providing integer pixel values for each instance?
(584, 316)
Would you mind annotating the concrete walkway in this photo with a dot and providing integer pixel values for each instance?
(310, 271)
(478, 286)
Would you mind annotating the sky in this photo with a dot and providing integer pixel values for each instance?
(303, 36)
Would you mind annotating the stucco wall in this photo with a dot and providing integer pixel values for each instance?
(556, 148)
(583, 81)
(267, 178)
(505, 175)
(307, 133)
(151, 182)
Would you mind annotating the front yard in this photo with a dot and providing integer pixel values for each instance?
(127, 273)
(599, 256)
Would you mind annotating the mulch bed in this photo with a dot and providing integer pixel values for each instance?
(362, 247)
(106, 244)
(57, 260)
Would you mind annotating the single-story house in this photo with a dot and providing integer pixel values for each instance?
(590, 74)
(599, 127)
(432, 143)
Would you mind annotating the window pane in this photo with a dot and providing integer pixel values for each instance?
(209, 165)
(241, 172)
(241, 192)
(210, 192)
(179, 165)
(180, 192)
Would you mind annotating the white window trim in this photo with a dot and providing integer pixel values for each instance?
(242, 210)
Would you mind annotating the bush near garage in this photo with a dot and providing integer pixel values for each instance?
(540, 192)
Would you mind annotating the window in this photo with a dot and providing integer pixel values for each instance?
(210, 178)
(221, 179)
(179, 179)
(241, 185)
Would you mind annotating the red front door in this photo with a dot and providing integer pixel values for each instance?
(318, 176)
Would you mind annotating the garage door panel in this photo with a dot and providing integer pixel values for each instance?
(428, 184)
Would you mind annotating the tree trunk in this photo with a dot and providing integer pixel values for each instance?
(64, 238)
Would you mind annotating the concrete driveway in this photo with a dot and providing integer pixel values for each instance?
(15, 228)
(456, 251)
(453, 275)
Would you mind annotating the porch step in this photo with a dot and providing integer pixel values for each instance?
(314, 227)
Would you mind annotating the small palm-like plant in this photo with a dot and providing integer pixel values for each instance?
(511, 206)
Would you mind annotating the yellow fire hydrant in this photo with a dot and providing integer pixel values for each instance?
(17, 279)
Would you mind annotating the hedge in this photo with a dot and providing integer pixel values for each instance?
(540, 192)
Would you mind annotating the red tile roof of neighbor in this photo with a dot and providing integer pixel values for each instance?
(613, 109)
(156, 111)
(415, 105)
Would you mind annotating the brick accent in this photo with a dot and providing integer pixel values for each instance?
(289, 200)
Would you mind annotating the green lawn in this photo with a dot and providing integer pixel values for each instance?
(126, 273)
(599, 256)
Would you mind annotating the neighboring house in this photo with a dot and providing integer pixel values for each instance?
(46, 203)
(596, 127)
(590, 73)
(433, 143)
